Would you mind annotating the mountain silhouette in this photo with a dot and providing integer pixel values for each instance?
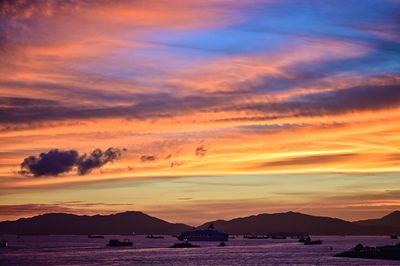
(392, 219)
(296, 222)
(120, 223)
(286, 222)
(140, 223)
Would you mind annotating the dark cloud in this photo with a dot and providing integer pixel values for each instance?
(147, 158)
(56, 162)
(200, 151)
(52, 163)
(97, 159)
(15, 101)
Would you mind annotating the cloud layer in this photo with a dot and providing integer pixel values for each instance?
(214, 88)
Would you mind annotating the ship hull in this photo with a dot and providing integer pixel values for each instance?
(203, 235)
(197, 238)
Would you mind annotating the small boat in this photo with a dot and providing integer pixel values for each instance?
(184, 244)
(154, 237)
(3, 244)
(222, 244)
(304, 239)
(127, 234)
(255, 236)
(313, 242)
(278, 237)
(117, 243)
(95, 236)
(393, 236)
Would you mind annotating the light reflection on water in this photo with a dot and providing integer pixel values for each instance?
(80, 250)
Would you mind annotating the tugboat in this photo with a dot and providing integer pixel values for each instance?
(307, 241)
(117, 243)
(184, 244)
(313, 242)
(154, 237)
(209, 234)
(95, 236)
(278, 237)
(255, 236)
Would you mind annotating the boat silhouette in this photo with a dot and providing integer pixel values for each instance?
(278, 237)
(95, 236)
(154, 237)
(222, 244)
(304, 239)
(184, 244)
(117, 243)
(313, 242)
(209, 234)
(256, 236)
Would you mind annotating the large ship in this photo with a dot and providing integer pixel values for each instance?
(209, 234)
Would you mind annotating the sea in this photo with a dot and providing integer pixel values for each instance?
(81, 250)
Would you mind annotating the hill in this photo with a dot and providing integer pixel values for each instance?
(392, 219)
(120, 223)
(141, 223)
(294, 222)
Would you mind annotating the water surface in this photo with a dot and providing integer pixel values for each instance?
(80, 250)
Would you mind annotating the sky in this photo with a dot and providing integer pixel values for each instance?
(199, 110)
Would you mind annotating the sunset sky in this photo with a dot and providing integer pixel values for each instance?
(201, 109)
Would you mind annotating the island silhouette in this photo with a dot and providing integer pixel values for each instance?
(140, 223)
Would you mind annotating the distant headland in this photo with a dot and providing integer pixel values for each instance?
(141, 223)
